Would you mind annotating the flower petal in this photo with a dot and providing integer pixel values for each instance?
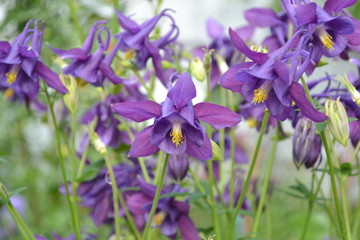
(305, 14)
(50, 77)
(298, 94)
(216, 115)
(138, 111)
(214, 28)
(262, 17)
(332, 6)
(183, 91)
(127, 23)
(142, 147)
(136, 203)
(188, 229)
(227, 80)
(257, 57)
(169, 147)
(202, 153)
(161, 127)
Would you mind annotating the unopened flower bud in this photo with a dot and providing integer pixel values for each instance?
(306, 144)
(208, 60)
(178, 166)
(338, 123)
(197, 69)
(355, 95)
(70, 98)
(216, 151)
(166, 64)
(99, 146)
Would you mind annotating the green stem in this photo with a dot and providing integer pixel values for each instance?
(148, 91)
(213, 201)
(62, 163)
(308, 216)
(333, 185)
(232, 169)
(156, 198)
(248, 176)
(115, 194)
(129, 216)
(75, 20)
(266, 185)
(197, 183)
(18, 223)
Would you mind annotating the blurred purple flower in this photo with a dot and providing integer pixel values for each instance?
(170, 215)
(135, 40)
(97, 194)
(178, 166)
(177, 129)
(93, 68)
(21, 67)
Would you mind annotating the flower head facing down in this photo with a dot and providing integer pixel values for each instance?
(176, 129)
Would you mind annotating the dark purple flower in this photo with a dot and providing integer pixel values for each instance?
(177, 128)
(306, 144)
(135, 40)
(97, 194)
(269, 79)
(21, 67)
(238, 184)
(178, 166)
(170, 215)
(93, 68)
(106, 123)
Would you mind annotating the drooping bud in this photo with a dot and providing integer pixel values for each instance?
(197, 69)
(70, 98)
(338, 123)
(216, 151)
(355, 95)
(178, 166)
(207, 59)
(306, 144)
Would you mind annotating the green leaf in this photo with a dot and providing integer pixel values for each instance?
(321, 126)
(351, 119)
(17, 191)
(91, 171)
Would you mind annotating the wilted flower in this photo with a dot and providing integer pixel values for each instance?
(170, 215)
(306, 144)
(21, 67)
(177, 129)
(338, 120)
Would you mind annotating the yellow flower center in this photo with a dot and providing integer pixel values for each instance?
(129, 53)
(251, 122)
(176, 135)
(262, 93)
(12, 74)
(325, 38)
(159, 218)
(8, 93)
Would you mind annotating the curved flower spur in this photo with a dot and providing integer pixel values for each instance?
(176, 128)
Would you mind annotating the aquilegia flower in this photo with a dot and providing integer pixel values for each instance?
(170, 215)
(176, 129)
(135, 40)
(21, 67)
(93, 68)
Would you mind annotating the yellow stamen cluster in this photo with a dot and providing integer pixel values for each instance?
(258, 48)
(8, 93)
(260, 95)
(251, 122)
(326, 39)
(129, 54)
(10, 77)
(159, 218)
(176, 135)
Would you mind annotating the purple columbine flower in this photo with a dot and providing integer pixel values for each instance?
(93, 68)
(170, 215)
(135, 40)
(306, 144)
(21, 67)
(268, 79)
(177, 128)
(96, 194)
(106, 123)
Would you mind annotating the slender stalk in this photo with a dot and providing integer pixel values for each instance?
(232, 169)
(308, 216)
(11, 207)
(82, 161)
(156, 198)
(148, 91)
(197, 183)
(18, 224)
(129, 216)
(75, 20)
(333, 185)
(265, 185)
(115, 194)
(213, 201)
(62, 163)
(248, 176)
